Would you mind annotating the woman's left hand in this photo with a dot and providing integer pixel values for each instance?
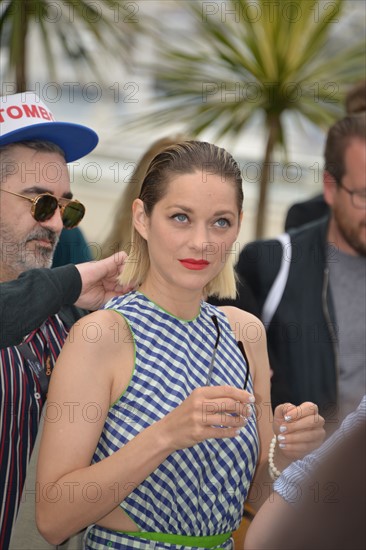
(299, 430)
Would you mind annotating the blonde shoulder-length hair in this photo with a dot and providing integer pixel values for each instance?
(185, 157)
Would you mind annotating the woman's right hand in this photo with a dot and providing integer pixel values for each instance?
(209, 412)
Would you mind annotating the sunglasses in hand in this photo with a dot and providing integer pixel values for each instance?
(45, 205)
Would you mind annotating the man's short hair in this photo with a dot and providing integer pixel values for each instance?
(7, 163)
(355, 101)
(339, 137)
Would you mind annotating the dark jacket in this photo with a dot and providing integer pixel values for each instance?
(26, 302)
(301, 334)
(306, 212)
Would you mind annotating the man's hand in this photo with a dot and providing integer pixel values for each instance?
(99, 281)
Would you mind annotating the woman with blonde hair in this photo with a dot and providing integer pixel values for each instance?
(119, 236)
(156, 439)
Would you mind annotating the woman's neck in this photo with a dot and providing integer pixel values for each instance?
(181, 303)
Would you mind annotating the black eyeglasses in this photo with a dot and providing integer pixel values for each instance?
(358, 198)
(240, 346)
(45, 205)
(216, 323)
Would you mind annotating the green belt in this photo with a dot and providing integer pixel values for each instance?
(203, 542)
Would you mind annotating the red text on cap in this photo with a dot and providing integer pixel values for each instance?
(29, 111)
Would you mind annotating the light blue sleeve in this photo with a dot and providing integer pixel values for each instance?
(288, 485)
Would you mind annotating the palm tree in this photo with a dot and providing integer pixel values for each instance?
(280, 57)
(71, 22)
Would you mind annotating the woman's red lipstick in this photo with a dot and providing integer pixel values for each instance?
(193, 264)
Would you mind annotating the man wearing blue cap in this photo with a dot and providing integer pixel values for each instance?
(36, 203)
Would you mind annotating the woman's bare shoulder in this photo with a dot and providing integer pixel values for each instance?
(237, 315)
(101, 325)
(99, 348)
(247, 328)
(98, 337)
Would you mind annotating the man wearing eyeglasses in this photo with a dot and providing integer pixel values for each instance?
(310, 287)
(36, 203)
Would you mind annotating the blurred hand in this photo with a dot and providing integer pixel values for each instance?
(299, 430)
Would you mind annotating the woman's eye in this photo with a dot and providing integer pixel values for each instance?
(180, 217)
(222, 222)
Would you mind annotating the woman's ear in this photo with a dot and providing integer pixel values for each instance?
(140, 220)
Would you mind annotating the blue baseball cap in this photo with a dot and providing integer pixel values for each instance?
(24, 117)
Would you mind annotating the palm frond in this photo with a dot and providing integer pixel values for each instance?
(76, 21)
(286, 60)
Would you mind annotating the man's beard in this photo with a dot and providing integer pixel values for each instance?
(351, 233)
(42, 256)
(19, 257)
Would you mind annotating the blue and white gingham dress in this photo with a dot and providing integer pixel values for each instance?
(198, 491)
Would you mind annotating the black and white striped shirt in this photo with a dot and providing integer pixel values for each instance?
(21, 403)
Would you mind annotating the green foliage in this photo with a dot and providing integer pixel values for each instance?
(71, 23)
(273, 59)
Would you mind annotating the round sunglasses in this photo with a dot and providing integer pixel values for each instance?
(45, 205)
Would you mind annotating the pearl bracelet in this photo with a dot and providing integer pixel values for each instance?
(272, 470)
